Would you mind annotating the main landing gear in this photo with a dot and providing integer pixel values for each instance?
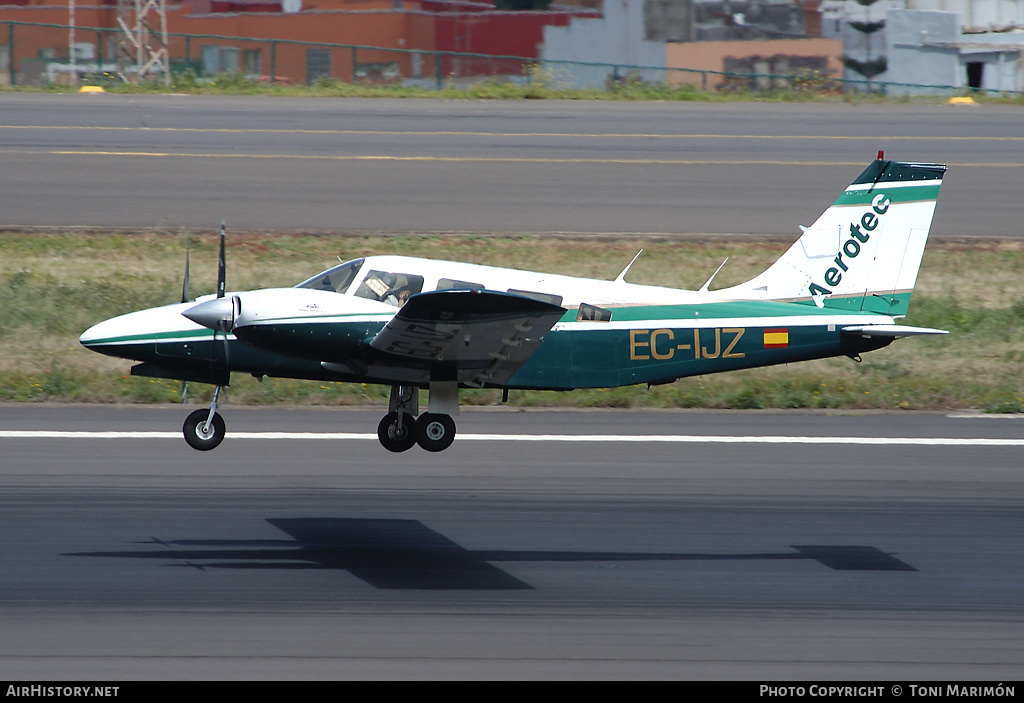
(434, 431)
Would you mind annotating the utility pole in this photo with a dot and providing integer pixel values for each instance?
(142, 41)
(71, 43)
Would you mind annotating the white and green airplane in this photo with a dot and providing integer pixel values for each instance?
(415, 323)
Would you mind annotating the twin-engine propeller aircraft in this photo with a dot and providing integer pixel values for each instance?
(417, 323)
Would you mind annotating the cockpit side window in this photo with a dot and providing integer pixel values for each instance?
(593, 313)
(543, 297)
(335, 280)
(450, 283)
(391, 288)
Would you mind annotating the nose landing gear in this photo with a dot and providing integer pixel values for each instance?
(204, 429)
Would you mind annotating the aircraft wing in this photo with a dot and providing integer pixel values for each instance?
(891, 331)
(484, 336)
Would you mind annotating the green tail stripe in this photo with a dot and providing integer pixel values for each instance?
(895, 195)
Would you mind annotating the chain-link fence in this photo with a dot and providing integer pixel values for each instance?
(40, 54)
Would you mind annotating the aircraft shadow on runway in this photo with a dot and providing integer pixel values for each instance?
(406, 554)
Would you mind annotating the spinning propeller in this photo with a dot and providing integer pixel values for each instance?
(217, 314)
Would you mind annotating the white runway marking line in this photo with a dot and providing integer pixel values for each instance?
(676, 439)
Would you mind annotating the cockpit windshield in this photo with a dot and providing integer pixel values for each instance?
(336, 280)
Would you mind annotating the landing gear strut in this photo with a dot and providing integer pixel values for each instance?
(204, 429)
(396, 431)
(434, 431)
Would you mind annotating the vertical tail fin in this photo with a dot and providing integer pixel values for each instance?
(864, 252)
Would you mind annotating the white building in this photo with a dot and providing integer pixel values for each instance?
(933, 48)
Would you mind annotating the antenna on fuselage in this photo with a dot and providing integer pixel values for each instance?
(184, 283)
(621, 278)
(704, 288)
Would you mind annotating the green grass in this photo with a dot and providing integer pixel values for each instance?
(546, 83)
(55, 284)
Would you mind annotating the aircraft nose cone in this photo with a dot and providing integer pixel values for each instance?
(217, 315)
(91, 336)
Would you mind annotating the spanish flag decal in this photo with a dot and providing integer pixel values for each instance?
(776, 338)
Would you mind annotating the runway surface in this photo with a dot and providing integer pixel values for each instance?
(508, 555)
(479, 166)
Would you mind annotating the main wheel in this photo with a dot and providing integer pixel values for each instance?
(199, 435)
(435, 432)
(396, 439)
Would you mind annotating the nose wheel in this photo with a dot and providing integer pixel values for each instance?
(204, 429)
(203, 432)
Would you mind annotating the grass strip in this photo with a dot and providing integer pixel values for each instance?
(54, 284)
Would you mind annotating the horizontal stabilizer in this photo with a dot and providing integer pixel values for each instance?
(485, 335)
(893, 331)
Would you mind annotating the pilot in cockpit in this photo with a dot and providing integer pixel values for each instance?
(398, 296)
(398, 293)
(391, 288)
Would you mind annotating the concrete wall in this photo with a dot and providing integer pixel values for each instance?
(977, 13)
(616, 38)
(911, 61)
(713, 55)
(1002, 70)
(836, 13)
(864, 47)
(928, 47)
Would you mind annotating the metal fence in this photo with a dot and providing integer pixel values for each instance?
(37, 54)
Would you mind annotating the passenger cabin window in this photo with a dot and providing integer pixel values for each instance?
(592, 313)
(449, 283)
(542, 297)
(336, 280)
(391, 288)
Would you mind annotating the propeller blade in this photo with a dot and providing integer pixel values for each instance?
(184, 284)
(222, 263)
(227, 349)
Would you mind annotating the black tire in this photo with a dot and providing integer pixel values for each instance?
(193, 430)
(393, 439)
(435, 432)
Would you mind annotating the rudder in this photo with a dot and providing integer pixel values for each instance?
(864, 252)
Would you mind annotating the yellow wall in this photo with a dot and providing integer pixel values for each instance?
(710, 55)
